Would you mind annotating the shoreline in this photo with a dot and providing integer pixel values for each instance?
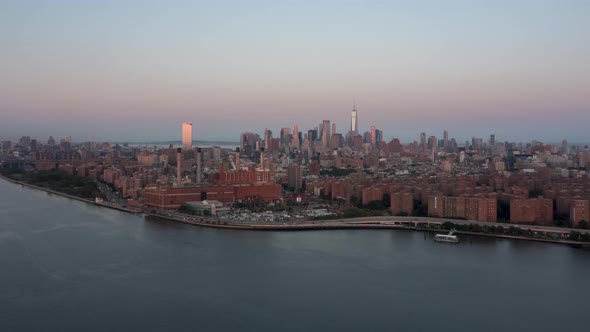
(337, 224)
(85, 200)
(344, 225)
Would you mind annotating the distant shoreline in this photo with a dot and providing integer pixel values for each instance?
(351, 223)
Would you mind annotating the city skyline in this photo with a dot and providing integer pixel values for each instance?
(133, 71)
(236, 164)
(187, 138)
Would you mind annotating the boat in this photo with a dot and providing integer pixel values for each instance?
(449, 238)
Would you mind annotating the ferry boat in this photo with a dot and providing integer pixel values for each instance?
(450, 238)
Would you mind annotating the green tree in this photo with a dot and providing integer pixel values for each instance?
(536, 192)
(575, 236)
(447, 225)
(386, 200)
(503, 211)
(355, 201)
(420, 208)
(375, 205)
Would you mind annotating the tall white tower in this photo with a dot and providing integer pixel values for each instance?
(187, 136)
(354, 120)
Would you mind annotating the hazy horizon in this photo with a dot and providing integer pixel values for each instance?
(135, 70)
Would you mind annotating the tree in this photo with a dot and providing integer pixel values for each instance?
(583, 224)
(535, 193)
(375, 205)
(503, 211)
(337, 172)
(355, 201)
(421, 209)
(386, 200)
(448, 225)
(513, 230)
(575, 236)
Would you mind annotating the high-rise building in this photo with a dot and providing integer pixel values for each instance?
(187, 136)
(295, 142)
(249, 142)
(266, 138)
(295, 177)
(378, 137)
(367, 137)
(326, 132)
(336, 141)
(312, 135)
(422, 142)
(432, 143)
(354, 120)
(25, 141)
(373, 136)
(565, 148)
(476, 143)
(445, 139)
(285, 135)
(178, 166)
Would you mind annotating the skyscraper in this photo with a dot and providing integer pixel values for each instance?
(187, 136)
(378, 136)
(312, 135)
(326, 132)
(285, 135)
(295, 178)
(445, 139)
(354, 120)
(422, 142)
(373, 136)
(295, 142)
(432, 143)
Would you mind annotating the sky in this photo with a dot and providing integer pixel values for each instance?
(135, 70)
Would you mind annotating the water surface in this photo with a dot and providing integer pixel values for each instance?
(70, 266)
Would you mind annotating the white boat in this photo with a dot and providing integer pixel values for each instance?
(450, 238)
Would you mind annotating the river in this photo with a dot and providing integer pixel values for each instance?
(70, 266)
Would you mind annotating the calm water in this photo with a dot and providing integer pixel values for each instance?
(69, 266)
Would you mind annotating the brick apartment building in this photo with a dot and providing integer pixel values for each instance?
(533, 210)
(471, 208)
(173, 198)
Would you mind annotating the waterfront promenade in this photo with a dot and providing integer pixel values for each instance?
(545, 233)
